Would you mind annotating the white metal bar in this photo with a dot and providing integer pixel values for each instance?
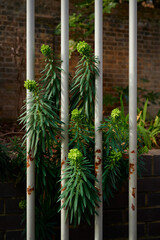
(99, 115)
(132, 119)
(30, 160)
(64, 103)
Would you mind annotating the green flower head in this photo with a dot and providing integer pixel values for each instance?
(76, 114)
(45, 50)
(115, 156)
(84, 48)
(115, 113)
(22, 204)
(31, 85)
(75, 156)
(144, 150)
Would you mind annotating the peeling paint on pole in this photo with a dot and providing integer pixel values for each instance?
(64, 104)
(30, 160)
(98, 116)
(132, 119)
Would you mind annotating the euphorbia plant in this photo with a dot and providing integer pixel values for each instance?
(83, 84)
(41, 121)
(43, 124)
(115, 147)
(81, 197)
(81, 134)
(51, 79)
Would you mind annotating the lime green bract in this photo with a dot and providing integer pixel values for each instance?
(31, 85)
(45, 50)
(76, 114)
(115, 113)
(115, 156)
(22, 204)
(84, 48)
(75, 156)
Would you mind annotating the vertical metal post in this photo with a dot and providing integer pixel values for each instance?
(132, 119)
(64, 102)
(99, 115)
(30, 159)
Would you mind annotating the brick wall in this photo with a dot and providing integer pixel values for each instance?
(116, 37)
(10, 213)
(115, 216)
(12, 43)
(13, 35)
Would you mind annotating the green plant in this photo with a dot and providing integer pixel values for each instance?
(4, 162)
(45, 220)
(47, 171)
(43, 128)
(82, 87)
(40, 120)
(148, 130)
(72, 47)
(115, 149)
(50, 81)
(154, 129)
(115, 142)
(81, 22)
(22, 204)
(46, 50)
(112, 173)
(109, 100)
(79, 192)
(12, 161)
(142, 96)
(81, 134)
(18, 160)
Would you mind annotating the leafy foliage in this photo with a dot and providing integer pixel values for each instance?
(51, 83)
(72, 47)
(115, 156)
(18, 160)
(43, 128)
(81, 134)
(4, 162)
(143, 94)
(45, 220)
(112, 175)
(83, 85)
(41, 122)
(81, 197)
(115, 135)
(47, 172)
(81, 22)
(109, 99)
(148, 132)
